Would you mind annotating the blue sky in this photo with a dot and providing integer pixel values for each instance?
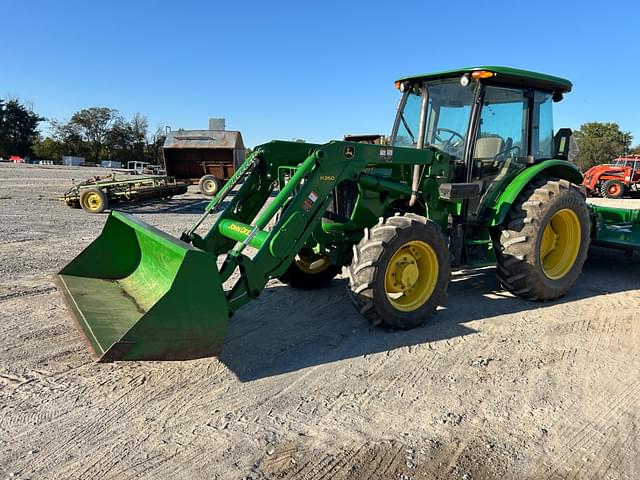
(312, 70)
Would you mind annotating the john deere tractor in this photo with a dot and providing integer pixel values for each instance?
(472, 175)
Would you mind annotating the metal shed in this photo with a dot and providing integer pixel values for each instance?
(191, 154)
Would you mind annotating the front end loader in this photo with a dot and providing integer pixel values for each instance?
(473, 175)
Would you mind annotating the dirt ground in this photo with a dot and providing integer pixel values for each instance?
(491, 387)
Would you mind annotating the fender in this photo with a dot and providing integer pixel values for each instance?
(547, 168)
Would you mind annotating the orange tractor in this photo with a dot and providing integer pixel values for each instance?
(615, 179)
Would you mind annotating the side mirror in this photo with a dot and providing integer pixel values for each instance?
(564, 146)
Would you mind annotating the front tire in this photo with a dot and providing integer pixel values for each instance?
(543, 245)
(400, 272)
(310, 271)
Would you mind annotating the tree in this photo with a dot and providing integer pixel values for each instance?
(118, 140)
(600, 143)
(93, 125)
(18, 129)
(125, 140)
(48, 148)
(139, 126)
(101, 133)
(70, 136)
(154, 146)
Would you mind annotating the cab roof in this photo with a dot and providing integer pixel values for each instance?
(506, 75)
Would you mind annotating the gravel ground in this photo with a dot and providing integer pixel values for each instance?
(491, 387)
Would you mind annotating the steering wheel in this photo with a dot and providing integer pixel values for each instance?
(508, 150)
(447, 140)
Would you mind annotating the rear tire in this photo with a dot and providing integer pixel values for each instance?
(94, 200)
(411, 251)
(209, 185)
(543, 244)
(613, 189)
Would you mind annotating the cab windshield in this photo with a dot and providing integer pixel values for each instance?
(447, 121)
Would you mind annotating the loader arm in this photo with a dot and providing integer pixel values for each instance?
(139, 294)
(303, 201)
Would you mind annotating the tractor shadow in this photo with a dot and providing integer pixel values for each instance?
(175, 205)
(286, 330)
(189, 203)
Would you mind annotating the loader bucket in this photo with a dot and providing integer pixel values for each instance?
(140, 294)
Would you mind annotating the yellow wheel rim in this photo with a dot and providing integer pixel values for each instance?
(560, 244)
(314, 263)
(92, 201)
(209, 186)
(411, 276)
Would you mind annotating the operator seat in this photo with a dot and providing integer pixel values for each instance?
(485, 155)
(487, 149)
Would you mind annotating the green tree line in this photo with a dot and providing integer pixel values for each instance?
(96, 133)
(101, 133)
(18, 129)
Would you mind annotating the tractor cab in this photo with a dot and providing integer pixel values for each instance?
(493, 122)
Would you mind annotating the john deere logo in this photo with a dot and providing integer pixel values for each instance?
(348, 152)
(239, 229)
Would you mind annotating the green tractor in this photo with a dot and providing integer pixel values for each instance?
(472, 175)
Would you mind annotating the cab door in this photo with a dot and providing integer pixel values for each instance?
(500, 149)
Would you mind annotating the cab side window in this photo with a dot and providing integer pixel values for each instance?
(542, 126)
(502, 130)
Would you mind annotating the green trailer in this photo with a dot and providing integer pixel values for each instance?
(474, 175)
(617, 228)
(95, 194)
